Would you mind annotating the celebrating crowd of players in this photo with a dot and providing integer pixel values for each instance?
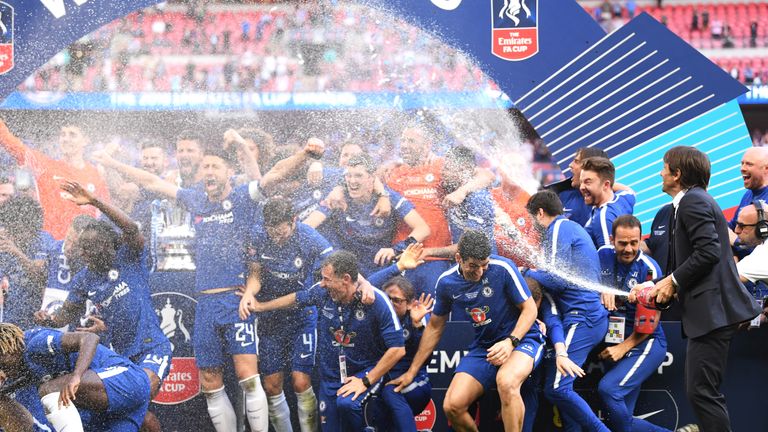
(350, 269)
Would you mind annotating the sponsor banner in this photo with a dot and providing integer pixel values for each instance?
(757, 94)
(515, 34)
(182, 383)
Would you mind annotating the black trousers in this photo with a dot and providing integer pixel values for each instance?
(705, 363)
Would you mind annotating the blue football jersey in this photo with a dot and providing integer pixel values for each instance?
(625, 277)
(571, 260)
(600, 223)
(412, 336)
(475, 212)
(362, 333)
(45, 358)
(357, 231)
(122, 299)
(286, 268)
(219, 235)
(491, 303)
(574, 207)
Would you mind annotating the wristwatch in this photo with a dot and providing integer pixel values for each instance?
(366, 382)
(515, 340)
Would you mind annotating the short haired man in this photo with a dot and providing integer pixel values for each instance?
(635, 351)
(754, 172)
(283, 257)
(574, 207)
(358, 343)
(568, 262)
(507, 344)
(189, 155)
(58, 212)
(597, 178)
(221, 215)
(706, 281)
(752, 229)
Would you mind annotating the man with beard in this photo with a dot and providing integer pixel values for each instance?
(221, 214)
(419, 180)
(754, 172)
(189, 153)
(597, 177)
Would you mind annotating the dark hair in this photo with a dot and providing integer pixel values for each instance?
(534, 287)
(146, 143)
(404, 284)
(627, 221)
(103, 230)
(190, 135)
(364, 160)
(602, 166)
(343, 262)
(278, 210)
(6, 180)
(461, 155)
(589, 152)
(80, 222)
(227, 155)
(693, 165)
(264, 142)
(545, 200)
(474, 244)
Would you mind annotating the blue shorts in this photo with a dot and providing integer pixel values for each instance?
(387, 410)
(127, 389)
(156, 359)
(339, 413)
(295, 342)
(475, 363)
(219, 332)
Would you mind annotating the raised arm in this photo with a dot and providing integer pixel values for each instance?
(482, 179)
(312, 150)
(12, 144)
(250, 163)
(131, 234)
(85, 345)
(145, 179)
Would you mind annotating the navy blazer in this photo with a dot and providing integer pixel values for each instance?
(710, 292)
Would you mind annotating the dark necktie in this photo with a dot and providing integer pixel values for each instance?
(671, 243)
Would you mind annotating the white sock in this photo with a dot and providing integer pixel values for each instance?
(307, 410)
(256, 406)
(279, 413)
(64, 418)
(221, 411)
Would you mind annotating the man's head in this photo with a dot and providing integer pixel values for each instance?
(400, 292)
(153, 158)
(459, 167)
(535, 288)
(754, 168)
(72, 141)
(347, 151)
(71, 239)
(544, 206)
(596, 183)
(359, 177)
(578, 159)
(189, 152)
(216, 168)
(97, 245)
(627, 234)
(11, 350)
(21, 219)
(279, 219)
(415, 145)
(7, 189)
(747, 225)
(339, 276)
(684, 168)
(261, 144)
(473, 256)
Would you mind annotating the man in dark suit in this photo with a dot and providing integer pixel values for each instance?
(702, 275)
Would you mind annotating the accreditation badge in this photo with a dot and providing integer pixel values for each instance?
(616, 327)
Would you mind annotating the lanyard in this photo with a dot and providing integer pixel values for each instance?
(341, 328)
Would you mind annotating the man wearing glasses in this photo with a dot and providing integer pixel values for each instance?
(752, 229)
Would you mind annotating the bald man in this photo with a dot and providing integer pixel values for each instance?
(754, 172)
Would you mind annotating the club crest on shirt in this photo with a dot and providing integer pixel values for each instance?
(479, 316)
(487, 291)
(298, 262)
(429, 177)
(406, 333)
(342, 338)
(378, 222)
(226, 205)
(631, 283)
(359, 315)
(113, 275)
(317, 194)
